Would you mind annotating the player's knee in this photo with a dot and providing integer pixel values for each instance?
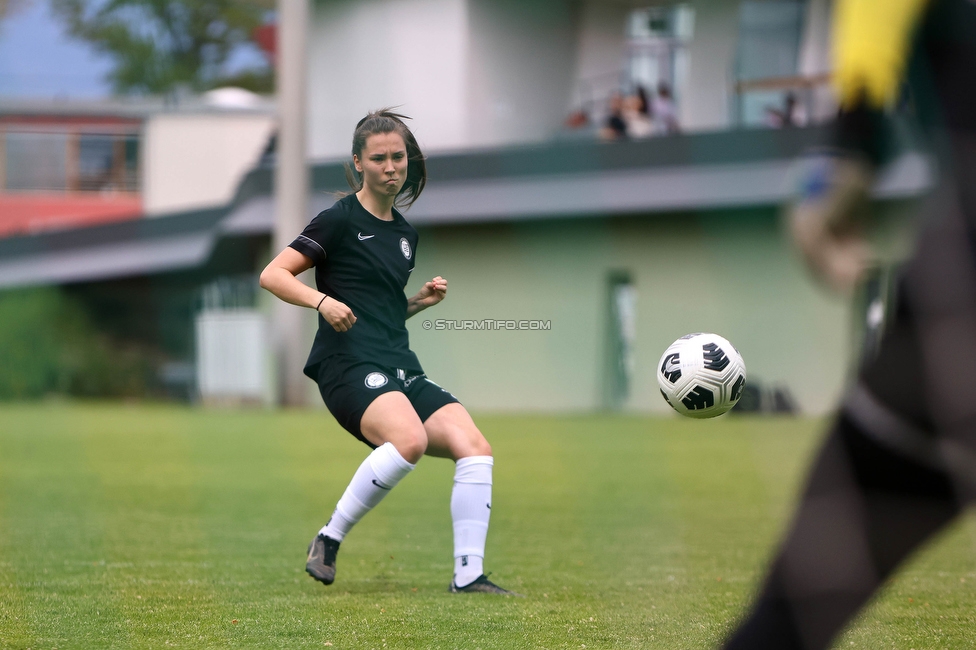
(412, 445)
(482, 447)
(473, 444)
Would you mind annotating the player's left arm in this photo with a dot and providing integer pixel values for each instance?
(871, 43)
(429, 295)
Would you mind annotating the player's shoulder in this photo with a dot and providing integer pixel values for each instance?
(340, 211)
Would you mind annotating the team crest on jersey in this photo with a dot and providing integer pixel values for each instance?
(405, 247)
(376, 380)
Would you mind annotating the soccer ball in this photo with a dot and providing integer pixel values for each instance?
(701, 375)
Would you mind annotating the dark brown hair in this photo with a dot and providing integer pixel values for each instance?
(386, 121)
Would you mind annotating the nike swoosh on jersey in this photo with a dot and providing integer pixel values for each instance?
(380, 485)
(363, 237)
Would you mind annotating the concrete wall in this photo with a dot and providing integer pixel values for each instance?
(520, 69)
(600, 50)
(711, 57)
(815, 57)
(370, 54)
(727, 272)
(197, 160)
(471, 72)
(490, 72)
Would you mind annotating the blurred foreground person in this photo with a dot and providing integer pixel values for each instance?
(363, 251)
(900, 461)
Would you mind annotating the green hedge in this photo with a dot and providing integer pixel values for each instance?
(49, 346)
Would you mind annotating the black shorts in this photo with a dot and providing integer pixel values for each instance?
(349, 386)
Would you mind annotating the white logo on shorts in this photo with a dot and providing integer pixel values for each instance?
(405, 247)
(427, 379)
(376, 380)
(410, 380)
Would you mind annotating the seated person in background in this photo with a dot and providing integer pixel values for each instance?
(664, 111)
(636, 115)
(577, 120)
(788, 116)
(614, 128)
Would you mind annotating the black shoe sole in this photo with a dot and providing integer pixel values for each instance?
(322, 573)
(325, 580)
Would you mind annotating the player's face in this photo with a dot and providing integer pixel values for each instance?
(383, 163)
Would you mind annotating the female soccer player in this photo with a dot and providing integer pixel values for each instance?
(363, 251)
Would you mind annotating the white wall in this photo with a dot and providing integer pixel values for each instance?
(711, 57)
(471, 73)
(815, 56)
(520, 69)
(370, 54)
(197, 160)
(600, 50)
(492, 72)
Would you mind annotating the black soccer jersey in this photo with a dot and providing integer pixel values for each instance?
(364, 262)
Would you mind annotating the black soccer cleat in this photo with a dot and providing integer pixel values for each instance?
(481, 585)
(321, 562)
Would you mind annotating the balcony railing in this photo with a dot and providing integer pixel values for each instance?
(783, 101)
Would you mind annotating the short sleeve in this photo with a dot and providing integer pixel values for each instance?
(320, 236)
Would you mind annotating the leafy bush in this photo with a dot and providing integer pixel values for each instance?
(48, 345)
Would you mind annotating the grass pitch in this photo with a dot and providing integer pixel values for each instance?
(154, 526)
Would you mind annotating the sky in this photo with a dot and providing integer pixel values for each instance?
(38, 60)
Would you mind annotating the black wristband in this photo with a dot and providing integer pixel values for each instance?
(320, 302)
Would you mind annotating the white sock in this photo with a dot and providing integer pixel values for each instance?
(374, 479)
(470, 509)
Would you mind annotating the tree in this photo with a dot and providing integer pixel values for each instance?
(161, 45)
(10, 7)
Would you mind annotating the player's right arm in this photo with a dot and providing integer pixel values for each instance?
(279, 277)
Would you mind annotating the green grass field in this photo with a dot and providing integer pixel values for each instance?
(157, 526)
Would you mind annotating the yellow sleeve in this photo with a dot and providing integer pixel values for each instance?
(870, 47)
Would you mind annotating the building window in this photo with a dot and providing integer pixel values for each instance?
(36, 161)
(69, 162)
(657, 39)
(766, 61)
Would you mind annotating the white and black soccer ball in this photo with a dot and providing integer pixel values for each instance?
(701, 375)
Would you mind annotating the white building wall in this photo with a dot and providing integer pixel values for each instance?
(815, 56)
(706, 105)
(370, 54)
(472, 73)
(481, 73)
(195, 161)
(520, 69)
(600, 51)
